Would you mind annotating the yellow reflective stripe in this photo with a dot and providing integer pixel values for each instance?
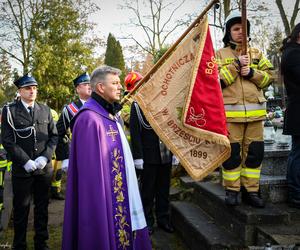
(1, 146)
(229, 74)
(254, 66)
(56, 183)
(218, 61)
(264, 61)
(229, 60)
(265, 80)
(231, 176)
(251, 173)
(1, 206)
(3, 164)
(250, 113)
(225, 72)
(225, 61)
(9, 166)
(222, 72)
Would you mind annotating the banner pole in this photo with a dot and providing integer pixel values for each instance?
(244, 27)
(168, 52)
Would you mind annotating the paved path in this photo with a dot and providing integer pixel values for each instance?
(160, 239)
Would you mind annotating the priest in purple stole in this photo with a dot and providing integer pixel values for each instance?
(103, 209)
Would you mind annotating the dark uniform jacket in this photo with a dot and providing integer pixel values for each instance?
(20, 150)
(144, 141)
(64, 133)
(290, 68)
(2, 151)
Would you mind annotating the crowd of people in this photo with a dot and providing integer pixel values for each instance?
(116, 191)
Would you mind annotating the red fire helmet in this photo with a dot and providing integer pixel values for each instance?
(131, 79)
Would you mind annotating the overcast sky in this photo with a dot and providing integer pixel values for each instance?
(112, 19)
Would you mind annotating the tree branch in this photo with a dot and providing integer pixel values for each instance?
(171, 15)
(283, 17)
(11, 55)
(295, 13)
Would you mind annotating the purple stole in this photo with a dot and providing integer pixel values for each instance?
(120, 200)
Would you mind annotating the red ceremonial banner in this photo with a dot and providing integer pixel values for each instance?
(204, 108)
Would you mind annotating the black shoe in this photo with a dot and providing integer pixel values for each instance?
(57, 196)
(292, 202)
(41, 248)
(231, 198)
(166, 226)
(253, 199)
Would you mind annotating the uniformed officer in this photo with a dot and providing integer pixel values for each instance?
(4, 165)
(155, 160)
(83, 89)
(29, 136)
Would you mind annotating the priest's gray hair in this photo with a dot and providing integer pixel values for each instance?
(99, 75)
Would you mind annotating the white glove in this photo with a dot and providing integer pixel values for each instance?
(40, 162)
(175, 160)
(65, 165)
(139, 164)
(30, 166)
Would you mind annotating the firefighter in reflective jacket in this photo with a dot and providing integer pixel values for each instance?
(242, 79)
(57, 176)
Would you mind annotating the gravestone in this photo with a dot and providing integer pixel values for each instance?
(273, 183)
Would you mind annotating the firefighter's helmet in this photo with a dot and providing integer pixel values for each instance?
(234, 18)
(131, 79)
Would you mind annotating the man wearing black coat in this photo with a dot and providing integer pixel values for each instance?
(29, 136)
(290, 69)
(155, 160)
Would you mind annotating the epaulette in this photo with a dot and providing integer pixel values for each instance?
(72, 108)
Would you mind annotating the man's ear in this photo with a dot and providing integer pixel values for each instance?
(100, 88)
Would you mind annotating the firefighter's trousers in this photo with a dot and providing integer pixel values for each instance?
(247, 151)
(2, 175)
(57, 176)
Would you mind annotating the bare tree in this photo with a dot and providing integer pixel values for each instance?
(257, 9)
(158, 24)
(288, 24)
(19, 20)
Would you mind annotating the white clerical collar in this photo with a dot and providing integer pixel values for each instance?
(26, 105)
(83, 101)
